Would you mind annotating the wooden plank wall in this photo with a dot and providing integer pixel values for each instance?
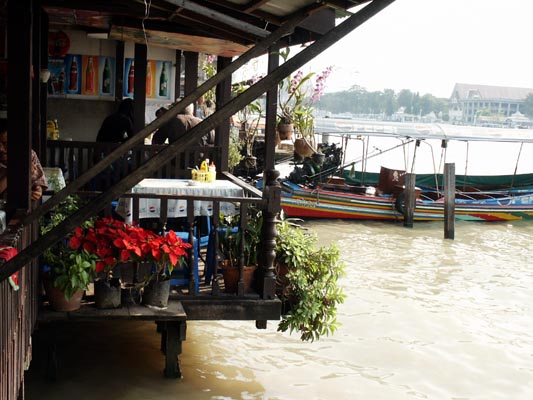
(18, 313)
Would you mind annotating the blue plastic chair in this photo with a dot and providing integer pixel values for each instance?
(203, 241)
(180, 276)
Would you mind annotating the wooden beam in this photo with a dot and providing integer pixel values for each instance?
(271, 112)
(449, 201)
(222, 131)
(139, 137)
(164, 156)
(44, 87)
(139, 86)
(218, 16)
(191, 73)
(119, 71)
(19, 99)
(177, 78)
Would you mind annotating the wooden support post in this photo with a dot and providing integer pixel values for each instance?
(139, 86)
(193, 135)
(271, 192)
(177, 76)
(222, 130)
(410, 201)
(119, 74)
(191, 73)
(449, 201)
(19, 100)
(271, 111)
(173, 333)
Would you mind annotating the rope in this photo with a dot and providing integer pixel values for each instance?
(516, 166)
(466, 163)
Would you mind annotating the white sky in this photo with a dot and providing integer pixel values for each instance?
(429, 45)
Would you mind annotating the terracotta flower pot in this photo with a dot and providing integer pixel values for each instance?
(285, 130)
(58, 302)
(303, 148)
(231, 278)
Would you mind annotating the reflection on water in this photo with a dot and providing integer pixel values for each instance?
(424, 318)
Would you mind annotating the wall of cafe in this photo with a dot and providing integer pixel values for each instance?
(80, 105)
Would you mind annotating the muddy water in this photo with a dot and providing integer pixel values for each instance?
(424, 318)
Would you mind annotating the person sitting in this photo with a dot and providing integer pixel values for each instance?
(177, 127)
(38, 178)
(118, 127)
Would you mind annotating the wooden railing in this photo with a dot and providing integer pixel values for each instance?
(252, 197)
(74, 158)
(18, 313)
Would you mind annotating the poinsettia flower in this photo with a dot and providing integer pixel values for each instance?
(74, 242)
(100, 266)
(125, 255)
(89, 247)
(110, 260)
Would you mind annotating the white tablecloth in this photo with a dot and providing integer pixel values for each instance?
(149, 208)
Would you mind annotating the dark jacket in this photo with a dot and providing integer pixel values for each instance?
(118, 127)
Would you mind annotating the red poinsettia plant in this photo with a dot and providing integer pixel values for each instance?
(114, 242)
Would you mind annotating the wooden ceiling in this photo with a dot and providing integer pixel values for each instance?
(221, 27)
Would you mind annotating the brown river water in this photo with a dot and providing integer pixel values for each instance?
(424, 318)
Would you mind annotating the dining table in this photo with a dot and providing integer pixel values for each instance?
(150, 207)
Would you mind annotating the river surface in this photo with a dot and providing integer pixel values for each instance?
(424, 318)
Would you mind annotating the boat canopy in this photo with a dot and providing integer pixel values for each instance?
(421, 131)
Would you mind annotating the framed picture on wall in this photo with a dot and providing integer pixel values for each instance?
(57, 80)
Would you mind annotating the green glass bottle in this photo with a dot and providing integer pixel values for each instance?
(106, 78)
(163, 82)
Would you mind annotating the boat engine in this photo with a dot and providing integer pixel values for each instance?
(318, 167)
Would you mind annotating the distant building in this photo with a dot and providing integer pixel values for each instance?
(498, 104)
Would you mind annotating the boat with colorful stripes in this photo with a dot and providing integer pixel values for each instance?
(322, 202)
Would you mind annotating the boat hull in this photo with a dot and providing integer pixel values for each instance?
(297, 201)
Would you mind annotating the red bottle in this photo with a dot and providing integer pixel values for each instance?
(89, 76)
(73, 83)
(131, 76)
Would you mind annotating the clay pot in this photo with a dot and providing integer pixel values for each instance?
(285, 130)
(231, 278)
(58, 302)
(303, 148)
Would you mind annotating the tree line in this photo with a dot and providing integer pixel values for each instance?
(357, 100)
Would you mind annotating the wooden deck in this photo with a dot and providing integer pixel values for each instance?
(171, 322)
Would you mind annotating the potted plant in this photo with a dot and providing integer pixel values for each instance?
(296, 99)
(98, 239)
(165, 252)
(307, 282)
(249, 119)
(285, 125)
(67, 271)
(235, 252)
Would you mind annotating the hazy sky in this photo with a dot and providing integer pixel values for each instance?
(429, 45)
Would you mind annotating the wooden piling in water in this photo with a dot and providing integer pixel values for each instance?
(409, 208)
(449, 201)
